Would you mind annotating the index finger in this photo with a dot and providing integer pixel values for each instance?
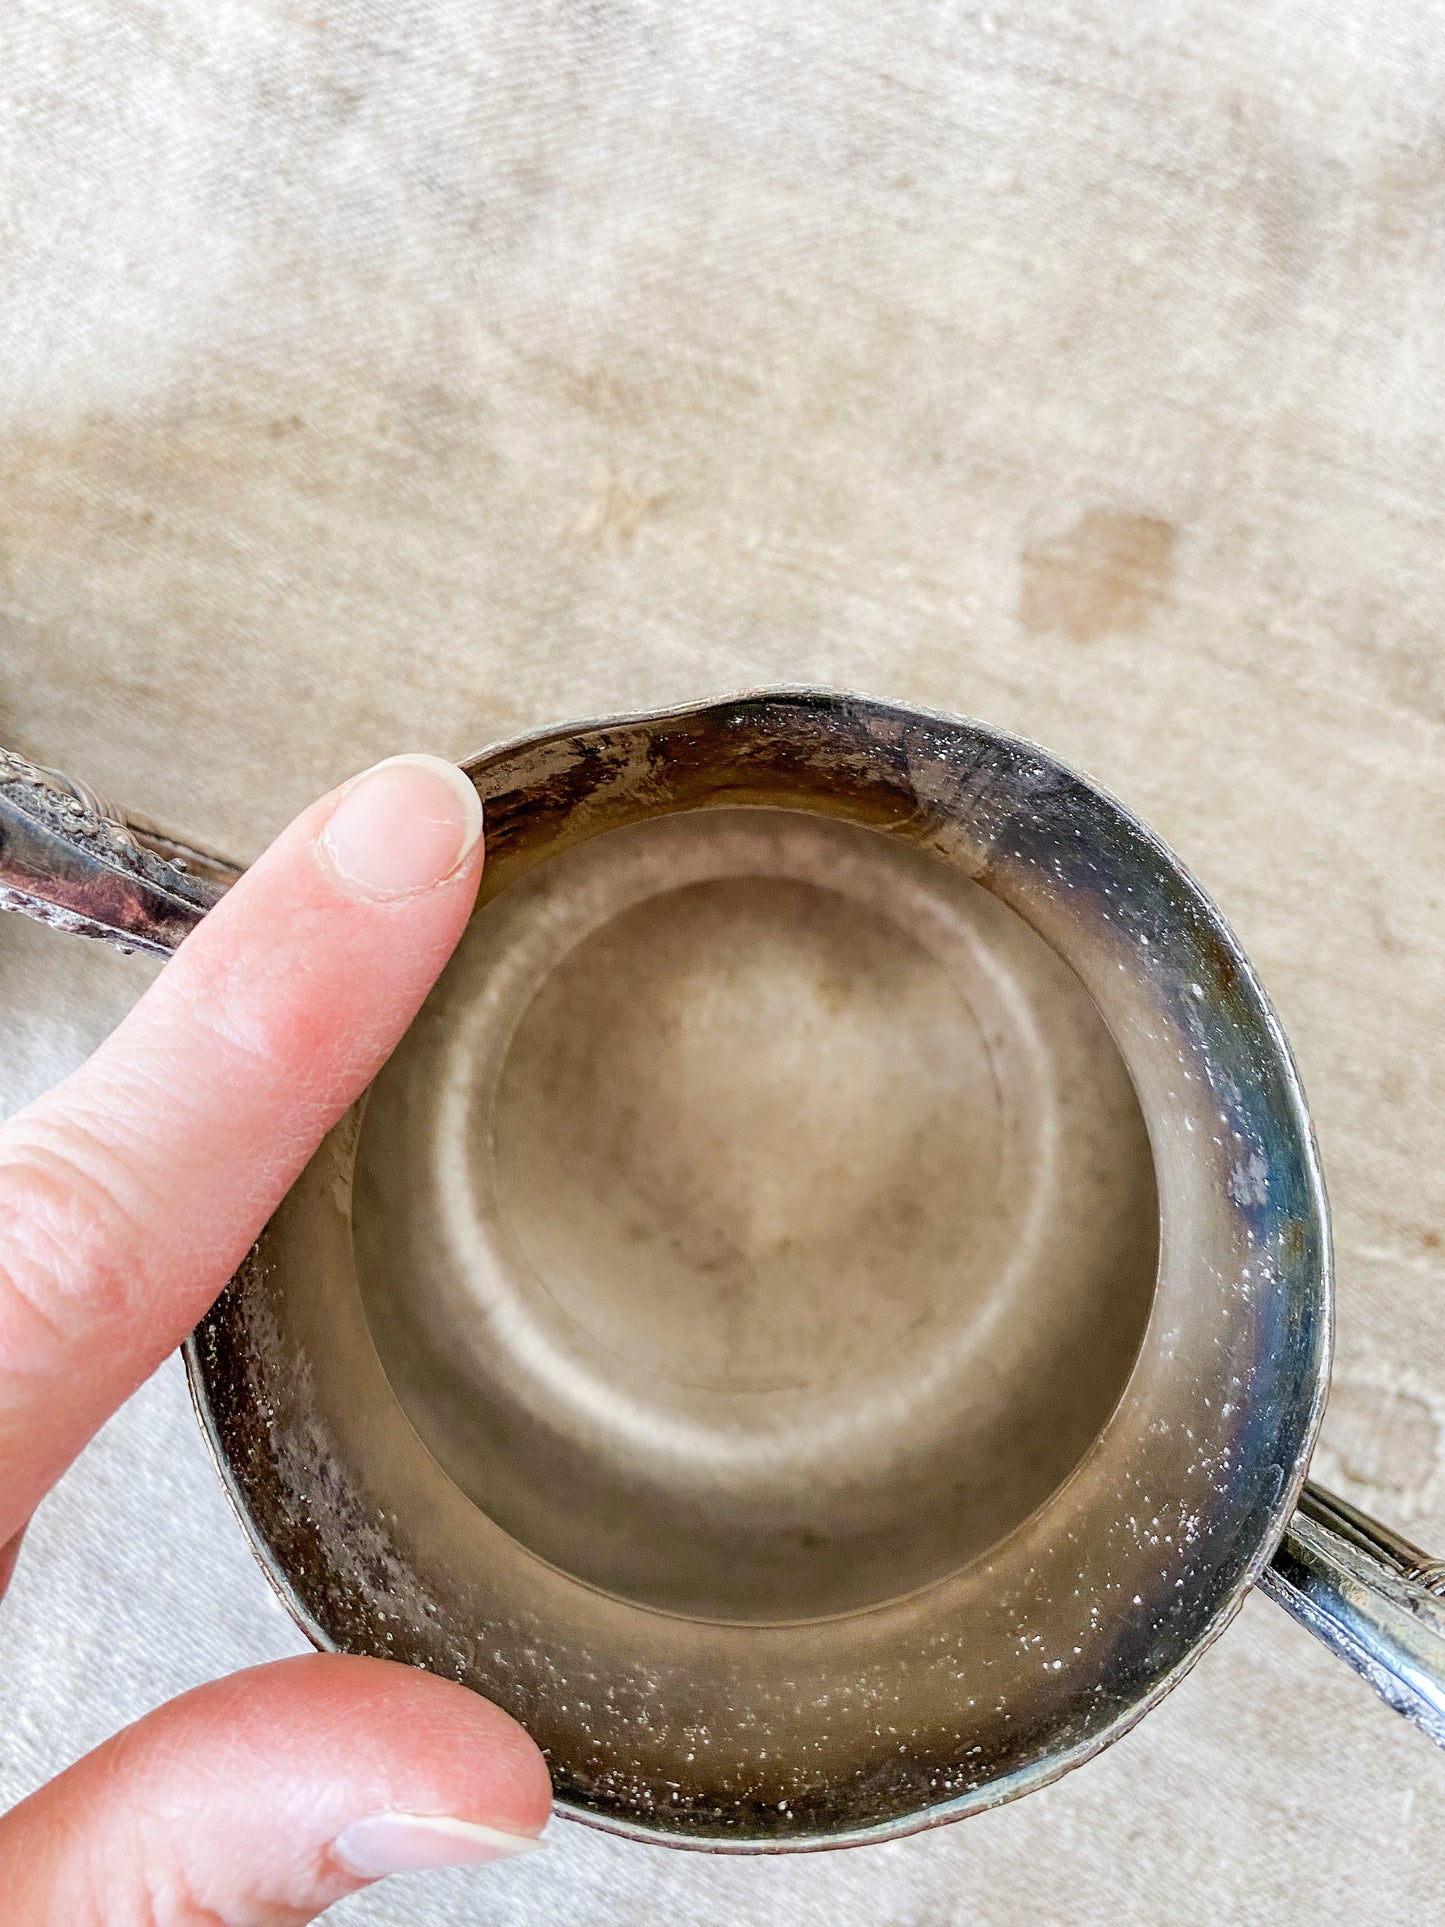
(130, 1193)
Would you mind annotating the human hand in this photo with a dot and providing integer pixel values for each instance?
(128, 1196)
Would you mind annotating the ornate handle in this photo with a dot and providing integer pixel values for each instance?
(72, 859)
(1372, 1597)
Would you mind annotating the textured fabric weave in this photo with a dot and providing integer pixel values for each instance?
(379, 374)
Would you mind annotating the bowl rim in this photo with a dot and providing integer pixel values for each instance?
(1015, 785)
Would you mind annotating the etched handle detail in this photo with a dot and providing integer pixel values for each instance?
(1372, 1597)
(71, 859)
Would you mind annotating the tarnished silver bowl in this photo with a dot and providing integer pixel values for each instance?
(825, 1314)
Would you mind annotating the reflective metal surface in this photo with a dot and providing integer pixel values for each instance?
(760, 1224)
(821, 1362)
(70, 858)
(643, 1633)
(1372, 1597)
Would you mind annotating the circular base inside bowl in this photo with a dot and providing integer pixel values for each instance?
(759, 1222)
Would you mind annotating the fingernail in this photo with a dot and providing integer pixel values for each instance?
(417, 1842)
(403, 826)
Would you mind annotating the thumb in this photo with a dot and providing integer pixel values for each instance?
(259, 1800)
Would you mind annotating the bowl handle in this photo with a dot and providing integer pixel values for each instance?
(1372, 1597)
(71, 859)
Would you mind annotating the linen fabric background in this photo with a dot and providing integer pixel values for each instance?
(379, 374)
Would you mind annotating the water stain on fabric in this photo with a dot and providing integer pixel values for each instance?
(1104, 576)
(615, 510)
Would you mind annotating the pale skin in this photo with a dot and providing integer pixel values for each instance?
(128, 1195)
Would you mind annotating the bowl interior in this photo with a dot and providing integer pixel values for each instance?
(760, 1223)
(747, 1333)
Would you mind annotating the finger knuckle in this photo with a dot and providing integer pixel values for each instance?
(65, 1237)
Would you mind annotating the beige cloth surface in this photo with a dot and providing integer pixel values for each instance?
(390, 373)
